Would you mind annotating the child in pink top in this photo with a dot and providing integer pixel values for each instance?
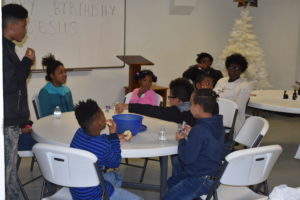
(144, 94)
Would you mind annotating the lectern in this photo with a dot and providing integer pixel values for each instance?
(135, 62)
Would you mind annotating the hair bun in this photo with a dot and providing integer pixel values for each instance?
(48, 60)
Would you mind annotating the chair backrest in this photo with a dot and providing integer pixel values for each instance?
(127, 97)
(36, 106)
(159, 99)
(229, 110)
(252, 131)
(250, 166)
(66, 166)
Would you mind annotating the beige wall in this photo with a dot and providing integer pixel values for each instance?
(172, 42)
(298, 55)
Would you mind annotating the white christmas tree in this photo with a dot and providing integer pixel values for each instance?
(242, 40)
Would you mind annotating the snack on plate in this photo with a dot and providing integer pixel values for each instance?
(128, 135)
(109, 123)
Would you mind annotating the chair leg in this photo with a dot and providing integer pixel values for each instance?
(144, 170)
(22, 189)
(126, 161)
(266, 188)
(215, 195)
(18, 163)
(32, 163)
(261, 188)
(43, 189)
(32, 180)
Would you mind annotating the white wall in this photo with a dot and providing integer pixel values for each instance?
(298, 55)
(276, 24)
(172, 42)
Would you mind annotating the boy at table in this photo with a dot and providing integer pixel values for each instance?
(180, 93)
(106, 147)
(200, 149)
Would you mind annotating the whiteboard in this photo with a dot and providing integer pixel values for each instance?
(80, 33)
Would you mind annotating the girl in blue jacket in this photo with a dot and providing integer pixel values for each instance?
(55, 93)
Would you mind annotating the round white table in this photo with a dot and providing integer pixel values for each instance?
(144, 144)
(272, 100)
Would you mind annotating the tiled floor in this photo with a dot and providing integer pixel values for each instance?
(283, 130)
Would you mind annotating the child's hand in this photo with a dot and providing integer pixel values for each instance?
(126, 136)
(122, 137)
(30, 53)
(180, 135)
(142, 90)
(26, 130)
(112, 126)
(186, 130)
(120, 107)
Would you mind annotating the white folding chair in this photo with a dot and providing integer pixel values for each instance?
(128, 97)
(24, 154)
(245, 168)
(36, 106)
(229, 110)
(64, 166)
(252, 132)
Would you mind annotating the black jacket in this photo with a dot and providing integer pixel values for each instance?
(15, 73)
(193, 71)
(172, 113)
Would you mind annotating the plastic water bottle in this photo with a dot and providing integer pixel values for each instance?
(162, 134)
(57, 113)
(107, 108)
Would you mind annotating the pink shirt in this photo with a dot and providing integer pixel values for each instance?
(149, 97)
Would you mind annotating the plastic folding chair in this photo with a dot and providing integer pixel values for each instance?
(36, 106)
(229, 110)
(128, 97)
(62, 166)
(244, 168)
(26, 154)
(252, 132)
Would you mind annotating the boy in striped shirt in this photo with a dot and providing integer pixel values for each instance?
(106, 147)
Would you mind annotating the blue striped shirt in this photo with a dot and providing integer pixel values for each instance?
(107, 149)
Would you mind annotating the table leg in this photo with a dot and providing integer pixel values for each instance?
(163, 175)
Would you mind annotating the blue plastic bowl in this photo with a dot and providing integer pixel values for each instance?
(128, 122)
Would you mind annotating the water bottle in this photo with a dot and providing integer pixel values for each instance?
(162, 134)
(107, 108)
(113, 106)
(57, 113)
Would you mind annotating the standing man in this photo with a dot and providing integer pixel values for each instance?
(15, 73)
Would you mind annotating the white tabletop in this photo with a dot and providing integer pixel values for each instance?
(144, 144)
(272, 100)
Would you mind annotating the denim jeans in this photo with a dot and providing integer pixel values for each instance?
(26, 142)
(119, 193)
(187, 187)
(12, 187)
(177, 166)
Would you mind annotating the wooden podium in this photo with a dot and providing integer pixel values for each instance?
(135, 63)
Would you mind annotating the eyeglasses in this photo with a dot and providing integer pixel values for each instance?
(171, 97)
(235, 68)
